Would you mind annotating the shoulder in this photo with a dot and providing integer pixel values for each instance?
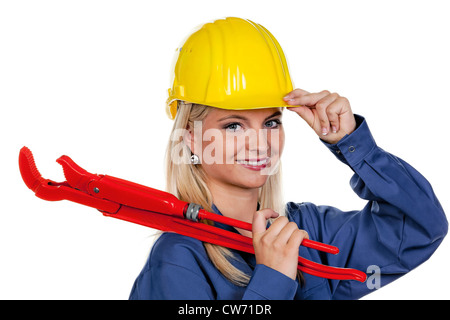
(298, 211)
(176, 249)
(176, 268)
(301, 213)
(315, 219)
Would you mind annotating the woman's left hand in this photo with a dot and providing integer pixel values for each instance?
(328, 114)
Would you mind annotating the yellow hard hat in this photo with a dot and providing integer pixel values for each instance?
(230, 63)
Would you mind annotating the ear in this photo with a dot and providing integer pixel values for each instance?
(188, 139)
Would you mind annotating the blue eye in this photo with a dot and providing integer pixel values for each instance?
(275, 123)
(233, 127)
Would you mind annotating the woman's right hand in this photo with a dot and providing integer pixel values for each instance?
(277, 246)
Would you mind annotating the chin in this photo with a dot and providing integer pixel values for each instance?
(250, 178)
(252, 181)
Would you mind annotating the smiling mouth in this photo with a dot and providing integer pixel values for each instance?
(255, 164)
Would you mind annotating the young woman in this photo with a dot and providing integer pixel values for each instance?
(231, 86)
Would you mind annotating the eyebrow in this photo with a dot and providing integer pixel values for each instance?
(237, 116)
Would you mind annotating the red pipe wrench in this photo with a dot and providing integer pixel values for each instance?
(156, 209)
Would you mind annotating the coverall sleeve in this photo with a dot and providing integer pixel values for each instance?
(399, 228)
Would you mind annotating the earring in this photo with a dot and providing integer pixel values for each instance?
(195, 159)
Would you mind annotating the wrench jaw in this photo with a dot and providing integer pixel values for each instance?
(45, 189)
(30, 174)
(76, 176)
(50, 190)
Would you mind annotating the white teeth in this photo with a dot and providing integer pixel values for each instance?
(254, 163)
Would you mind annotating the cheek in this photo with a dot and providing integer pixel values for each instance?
(234, 147)
(214, 147)
(276, 141)
(281, 147)
(212, 152)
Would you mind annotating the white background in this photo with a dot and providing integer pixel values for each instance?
(89, 79)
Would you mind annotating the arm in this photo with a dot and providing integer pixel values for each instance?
(401, 225)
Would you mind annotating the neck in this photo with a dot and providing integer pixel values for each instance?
(234, 202)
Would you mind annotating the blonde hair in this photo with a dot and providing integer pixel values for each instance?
(187, 183)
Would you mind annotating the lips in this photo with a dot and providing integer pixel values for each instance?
(254, 164)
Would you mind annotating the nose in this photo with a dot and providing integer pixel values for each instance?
(258, 144)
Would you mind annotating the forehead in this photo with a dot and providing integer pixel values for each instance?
(218, 114)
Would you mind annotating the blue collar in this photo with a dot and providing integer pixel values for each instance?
(221, 225)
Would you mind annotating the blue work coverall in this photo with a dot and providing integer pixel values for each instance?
(400, 227)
